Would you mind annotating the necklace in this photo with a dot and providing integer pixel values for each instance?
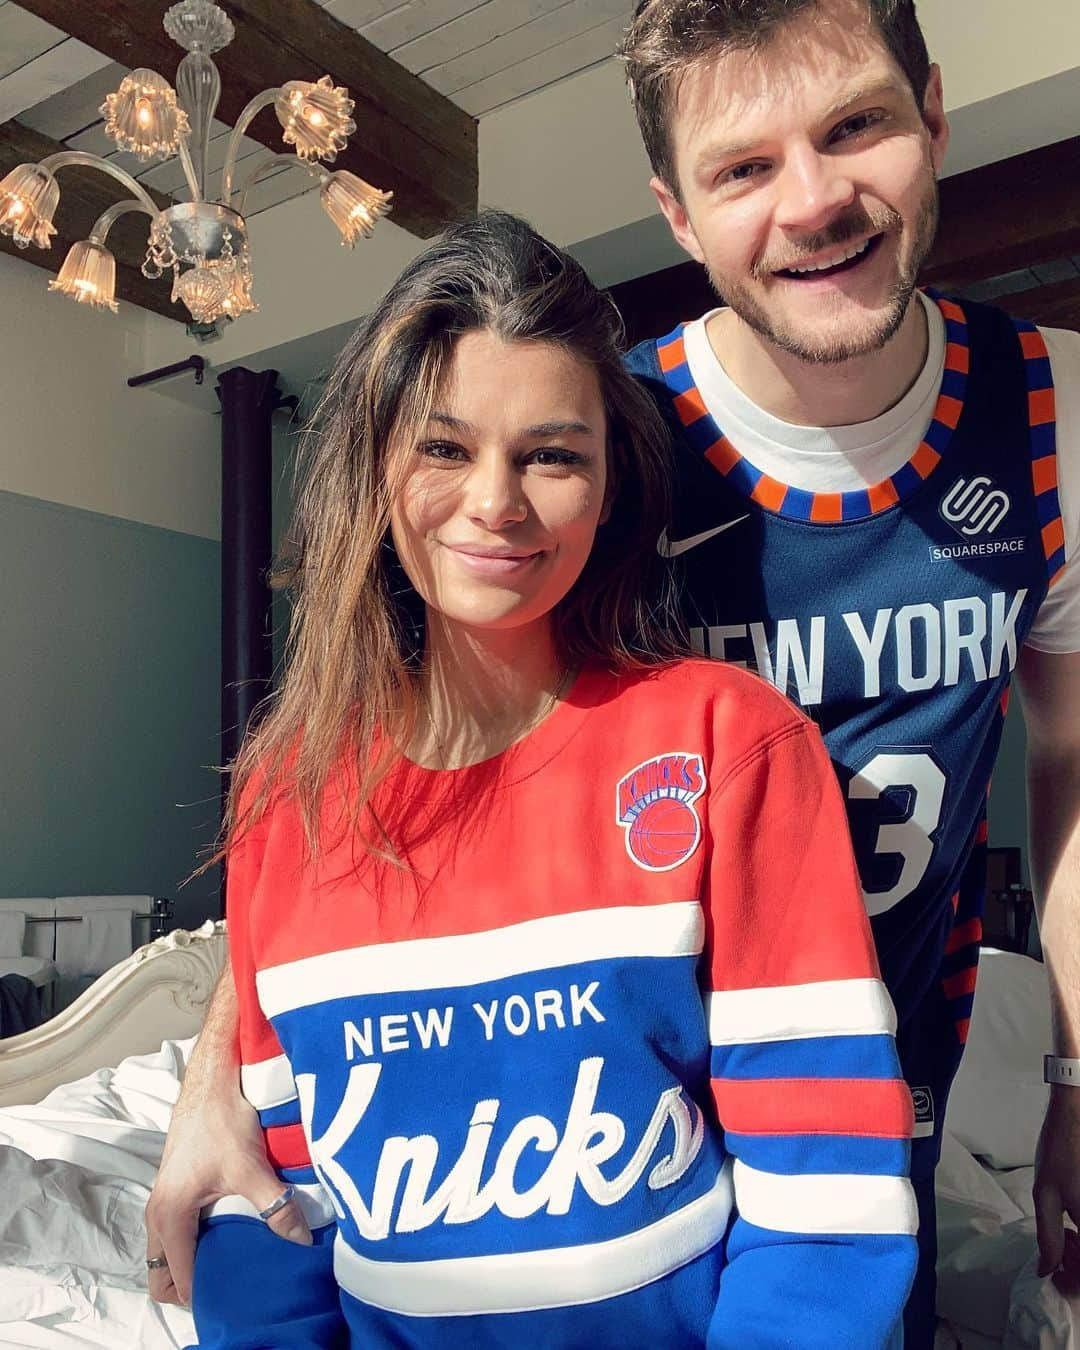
(545, 708)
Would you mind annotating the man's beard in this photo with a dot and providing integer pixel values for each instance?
(842, 347)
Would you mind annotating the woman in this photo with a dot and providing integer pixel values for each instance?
(558, 1000)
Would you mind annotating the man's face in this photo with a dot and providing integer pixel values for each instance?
(807, 176)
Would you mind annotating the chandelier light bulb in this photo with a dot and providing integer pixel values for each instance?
(354, 206)
(88, 276)
(28, 199)
(315, 117)
(144, 117)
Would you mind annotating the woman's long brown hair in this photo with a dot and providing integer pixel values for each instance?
(355, 638)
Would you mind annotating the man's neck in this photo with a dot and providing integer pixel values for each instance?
(816, 395)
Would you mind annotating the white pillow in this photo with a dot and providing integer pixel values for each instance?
(998, 1100)
(12, 933)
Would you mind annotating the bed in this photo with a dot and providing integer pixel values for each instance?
(79, 1144)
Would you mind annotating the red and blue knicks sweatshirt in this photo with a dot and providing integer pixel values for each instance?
(607, 1061)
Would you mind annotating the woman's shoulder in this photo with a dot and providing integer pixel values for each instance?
(716, 683)
(734, 709)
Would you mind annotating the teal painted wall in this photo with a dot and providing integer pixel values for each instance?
(109, 689)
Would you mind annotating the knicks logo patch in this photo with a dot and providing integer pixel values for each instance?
(654, 804)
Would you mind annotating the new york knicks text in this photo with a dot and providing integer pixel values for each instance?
(916, 647)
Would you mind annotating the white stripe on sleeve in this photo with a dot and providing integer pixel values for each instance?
(268, 1083)
(800, 1011)
(848, 1204)
(622, 931)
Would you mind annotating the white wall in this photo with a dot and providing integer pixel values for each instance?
(74, 433)
(986, 47)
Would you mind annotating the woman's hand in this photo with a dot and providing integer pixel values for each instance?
(214, 1148)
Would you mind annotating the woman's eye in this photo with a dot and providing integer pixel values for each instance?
(551, 457)
(446, 451)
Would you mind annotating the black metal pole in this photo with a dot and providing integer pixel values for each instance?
(248, 399)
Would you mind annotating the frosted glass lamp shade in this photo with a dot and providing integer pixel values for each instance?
(353, 205)
(204, 291)
(144, 117)
(88, 276)
(28, 199)
(315, 117)
(235, 277)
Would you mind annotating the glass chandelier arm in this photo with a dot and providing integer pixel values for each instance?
(189, 172)
(257, 104)
(88, 161)
(109, 217)
(317, 171)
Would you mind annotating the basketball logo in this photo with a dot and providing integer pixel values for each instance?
(654, 804)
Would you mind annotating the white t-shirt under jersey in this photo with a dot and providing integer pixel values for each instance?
(845, 459)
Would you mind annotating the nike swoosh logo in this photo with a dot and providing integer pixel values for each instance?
(671, 548)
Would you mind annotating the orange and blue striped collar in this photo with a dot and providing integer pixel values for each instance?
(707, 438)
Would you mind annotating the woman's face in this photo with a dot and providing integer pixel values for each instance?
(507, 484)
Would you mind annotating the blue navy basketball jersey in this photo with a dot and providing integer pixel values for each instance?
(894, 615)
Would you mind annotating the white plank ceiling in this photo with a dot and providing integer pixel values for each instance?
(481, 54)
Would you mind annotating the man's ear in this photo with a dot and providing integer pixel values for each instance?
(677, 219)
(937, 124)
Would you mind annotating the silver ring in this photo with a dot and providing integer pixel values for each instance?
(157, 1263)
(280, 1203)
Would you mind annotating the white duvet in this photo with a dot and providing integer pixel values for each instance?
(75, 1172)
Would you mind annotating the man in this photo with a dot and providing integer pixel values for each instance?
(863, 515)
(870, 505)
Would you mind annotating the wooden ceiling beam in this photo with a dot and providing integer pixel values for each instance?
(1008, 215)
(84, 195)
(409, 139)
(1056, 305)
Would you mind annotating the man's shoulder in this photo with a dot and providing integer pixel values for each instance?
(1063, 348)
(642, 360)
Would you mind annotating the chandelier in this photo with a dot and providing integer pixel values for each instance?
(202, 242)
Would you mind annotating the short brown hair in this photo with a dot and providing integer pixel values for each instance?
(667, 37)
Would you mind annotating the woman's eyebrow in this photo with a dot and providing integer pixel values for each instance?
(552, 428)
(447, 420)
(559, 429)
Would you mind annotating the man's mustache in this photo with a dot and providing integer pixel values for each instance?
(841, 232)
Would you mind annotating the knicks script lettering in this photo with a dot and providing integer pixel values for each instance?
(682, 772)
(578, 1149)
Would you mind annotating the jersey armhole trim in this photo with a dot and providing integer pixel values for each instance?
(1042, 424)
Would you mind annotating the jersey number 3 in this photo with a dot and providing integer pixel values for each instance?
(910, 839)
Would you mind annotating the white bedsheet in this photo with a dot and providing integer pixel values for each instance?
(75, 1172)
(988, 1289)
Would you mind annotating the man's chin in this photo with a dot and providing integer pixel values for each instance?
(841, 329)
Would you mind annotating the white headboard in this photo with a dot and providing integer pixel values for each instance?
(159, 992)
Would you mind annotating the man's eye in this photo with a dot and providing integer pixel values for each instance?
(740, 173)
(854, 125)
